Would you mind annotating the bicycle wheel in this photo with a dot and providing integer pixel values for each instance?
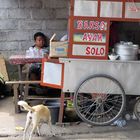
(137, 109)
(99, 100)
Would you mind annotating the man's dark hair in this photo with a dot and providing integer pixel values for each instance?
(39, 34)
(46, 39)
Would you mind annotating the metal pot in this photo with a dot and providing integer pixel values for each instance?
(128, 57)
(127, 50)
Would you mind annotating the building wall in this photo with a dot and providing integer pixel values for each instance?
(20, 19)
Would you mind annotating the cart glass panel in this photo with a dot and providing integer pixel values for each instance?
(132, 10)
(111, 9)
(85, 8)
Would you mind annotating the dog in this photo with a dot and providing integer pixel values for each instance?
(36, 115)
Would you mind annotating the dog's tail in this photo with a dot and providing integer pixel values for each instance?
(25, 105)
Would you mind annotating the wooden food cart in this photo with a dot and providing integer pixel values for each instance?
(100, 86)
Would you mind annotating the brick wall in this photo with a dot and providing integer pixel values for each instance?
(20, 19)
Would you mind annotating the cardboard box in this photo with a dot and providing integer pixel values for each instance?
(58, 49)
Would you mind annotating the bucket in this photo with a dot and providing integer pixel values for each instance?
(54, 107)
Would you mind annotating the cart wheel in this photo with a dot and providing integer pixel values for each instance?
(137, 109)
(99, 100)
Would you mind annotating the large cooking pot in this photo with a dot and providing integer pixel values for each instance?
(127, 50)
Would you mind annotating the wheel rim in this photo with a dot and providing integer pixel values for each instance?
(99, 100)
(137, 109)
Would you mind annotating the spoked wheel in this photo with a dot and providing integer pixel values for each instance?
(99, 100)
(137, 109)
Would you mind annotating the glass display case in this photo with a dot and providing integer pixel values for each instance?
(91, 25)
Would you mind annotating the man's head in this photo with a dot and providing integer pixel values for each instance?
(39, 39)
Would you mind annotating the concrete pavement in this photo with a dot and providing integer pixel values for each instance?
(11, 125)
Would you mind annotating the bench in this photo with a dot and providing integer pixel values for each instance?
(15, 90)
(16, 84)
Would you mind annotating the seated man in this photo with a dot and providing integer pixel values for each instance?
(41, 46)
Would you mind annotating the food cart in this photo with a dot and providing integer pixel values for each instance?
(100, 86)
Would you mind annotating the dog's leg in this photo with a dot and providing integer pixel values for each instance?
(35, 124)
(50, 125)
(33, 130)
(28, 122)
(38, 130)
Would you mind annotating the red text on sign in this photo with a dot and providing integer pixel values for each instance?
(91, 25)
(95, 51)
(92, 37)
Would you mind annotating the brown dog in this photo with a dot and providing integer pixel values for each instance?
(37, 114)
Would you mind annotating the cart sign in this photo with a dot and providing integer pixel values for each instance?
(90, 25)
(90, 37)
(89, 50)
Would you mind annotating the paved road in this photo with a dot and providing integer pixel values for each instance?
(9, 121)
(76, 137)
(125, 134)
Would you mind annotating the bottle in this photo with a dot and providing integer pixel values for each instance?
(27, 53)
(128, 117)
(32, 53)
